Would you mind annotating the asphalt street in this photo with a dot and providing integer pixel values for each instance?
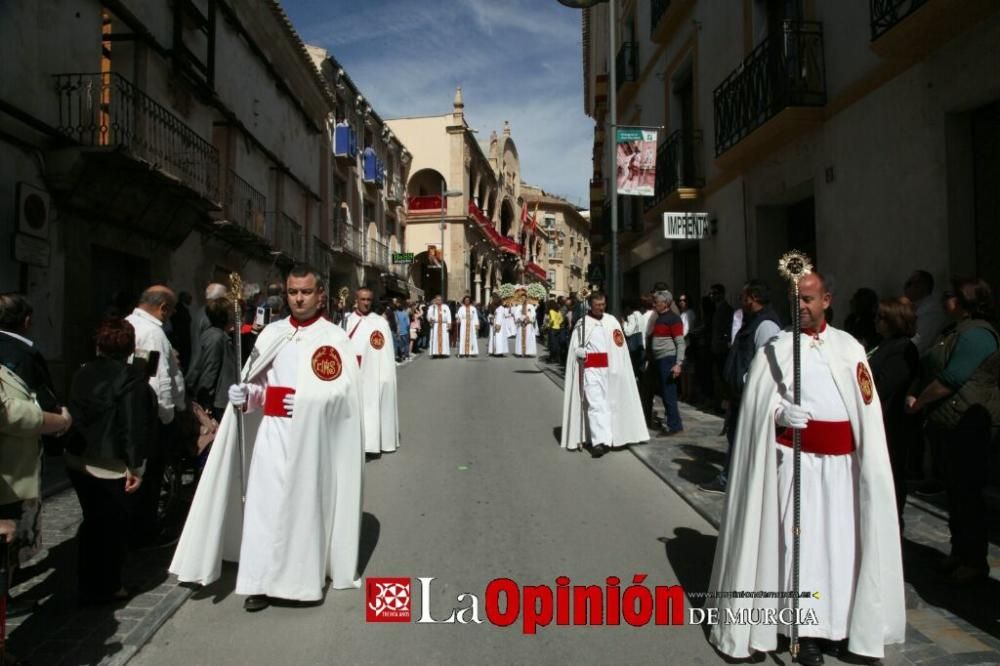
(479, 490)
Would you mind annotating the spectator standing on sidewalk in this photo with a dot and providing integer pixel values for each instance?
(931, 318)
(760, 324)
(402, 332)
(719, 336)
(665, 351)
(155, 307)
(114, 413)
(213, 374)
(959, 392)
(556, 322)
(635, 333)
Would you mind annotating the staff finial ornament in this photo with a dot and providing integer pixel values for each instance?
(794, 266)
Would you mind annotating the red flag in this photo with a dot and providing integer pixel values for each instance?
(524, 213)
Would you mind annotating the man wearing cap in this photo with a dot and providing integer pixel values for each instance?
(304, 429)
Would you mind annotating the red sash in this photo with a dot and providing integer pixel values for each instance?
(596, 360)
(274, 400)
(831, 438)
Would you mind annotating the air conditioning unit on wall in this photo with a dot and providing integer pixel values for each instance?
(33, 210)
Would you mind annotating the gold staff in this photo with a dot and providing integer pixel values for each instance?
(235, 293)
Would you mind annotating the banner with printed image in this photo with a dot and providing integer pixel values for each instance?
(635, 158)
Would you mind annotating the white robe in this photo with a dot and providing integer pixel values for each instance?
(371, 341)
(614, 411)
(468, 325)
(749, 554)
(302, 519)
(509, 325)
(440, 318)
(526, 330)
(498, 332)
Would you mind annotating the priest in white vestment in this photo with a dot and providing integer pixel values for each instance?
(526, 327)
(498, 331)
(301, 523)
(468, 327)
(612, 411)
(371, 341)
(850, 550)
(439, 315)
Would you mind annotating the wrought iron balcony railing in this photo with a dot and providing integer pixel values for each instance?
(678, 164)
(347, 238)
(378, 253)
(105, 110)
(627, 64)
(287, 235)
(319, 255)
(887, 13)
(245, 206)
(784, 70)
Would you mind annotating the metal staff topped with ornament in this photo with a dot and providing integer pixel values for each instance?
(793, 266)
(235, 294)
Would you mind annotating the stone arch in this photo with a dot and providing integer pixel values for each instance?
(507, 217)
(426, 182)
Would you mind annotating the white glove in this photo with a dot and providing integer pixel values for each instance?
(289, 403)
(238, 394)
(581, 353)
(792, 416)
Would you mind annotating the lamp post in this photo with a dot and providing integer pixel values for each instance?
(445, 194)
(615, 295)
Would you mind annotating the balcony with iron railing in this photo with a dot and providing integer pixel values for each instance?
(107, 112)
(679, 173)
(377, 254)
(665, 17)
(626, 68)
(319, 255)
(775, 95)
(909, 29)
(287, 235)
(395, 193)
(347, 238)
(244, 206)
(485, 224)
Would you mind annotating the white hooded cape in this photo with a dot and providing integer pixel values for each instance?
(321, 536)
(747, 554)
(372, 341)
(628, 423)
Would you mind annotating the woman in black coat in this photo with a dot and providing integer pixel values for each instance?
(895, 363)
(114, 415)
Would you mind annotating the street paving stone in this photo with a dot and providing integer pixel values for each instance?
(947, 625)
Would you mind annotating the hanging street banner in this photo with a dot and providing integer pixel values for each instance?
(402, 257)
(685, 226)
(635, 155)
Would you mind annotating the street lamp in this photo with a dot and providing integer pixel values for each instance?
(615, 295)
(444, 205)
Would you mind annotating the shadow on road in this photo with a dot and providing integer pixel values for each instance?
(528, 372)
(370, 530)
(701, 465)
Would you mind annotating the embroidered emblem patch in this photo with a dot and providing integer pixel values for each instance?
(377, 340)
(326, 363)
(619, 337)
(865, 383)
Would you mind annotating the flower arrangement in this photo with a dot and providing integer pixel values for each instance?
(506, 291)
(536, 292)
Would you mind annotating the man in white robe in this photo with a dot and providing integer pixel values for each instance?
(439, 315)
(526, 328)
(498, 332)
(599, 365)
(468, 328)
(301, 522)
(371, 341)
(850, 551)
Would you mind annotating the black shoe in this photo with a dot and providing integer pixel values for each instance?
(598, 451)
(716, 485)
(255, 602)
(809, 652)
(835, 649)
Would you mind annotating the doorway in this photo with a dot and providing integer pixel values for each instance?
(780, 229)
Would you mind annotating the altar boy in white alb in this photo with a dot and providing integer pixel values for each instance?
(304, 433)
(526, 326)
(371, 341)
(468, 327)
(612, 410)
(439, 315)
(850, 550)
(498, 331)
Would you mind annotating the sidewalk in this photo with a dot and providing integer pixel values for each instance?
(946, 624)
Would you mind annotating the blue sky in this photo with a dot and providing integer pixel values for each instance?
(516, 60)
